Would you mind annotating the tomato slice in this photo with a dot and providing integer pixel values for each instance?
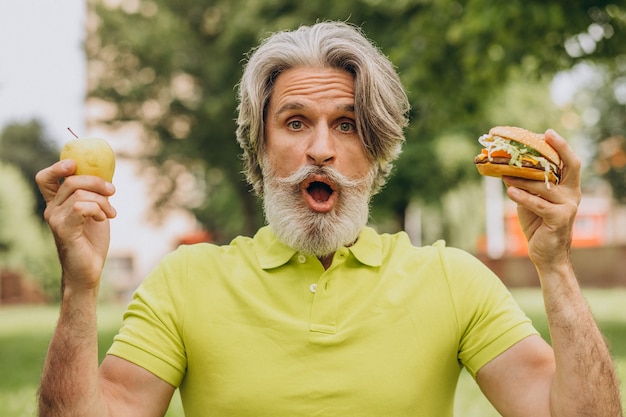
(496, 153)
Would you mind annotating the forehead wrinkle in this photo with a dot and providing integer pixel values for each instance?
(297, 90)
(296, 105)
(314, 86)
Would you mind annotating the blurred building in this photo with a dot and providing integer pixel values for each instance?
(598, 223)
(598, 243)
(139, 238)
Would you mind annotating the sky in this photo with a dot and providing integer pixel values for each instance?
(42, 68)
(43, 76)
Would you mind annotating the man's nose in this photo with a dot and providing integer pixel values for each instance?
(321, 150)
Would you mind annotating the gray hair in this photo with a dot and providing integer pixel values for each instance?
(381, 104)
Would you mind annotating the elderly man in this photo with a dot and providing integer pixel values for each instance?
(317, 314)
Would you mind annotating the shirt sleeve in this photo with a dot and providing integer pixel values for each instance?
(490, 320)
(151, 334)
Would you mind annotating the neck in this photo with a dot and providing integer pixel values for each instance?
(326, 260)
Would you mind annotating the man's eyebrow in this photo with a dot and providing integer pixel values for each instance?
(346, 107)
(296, 105)
(290, 105)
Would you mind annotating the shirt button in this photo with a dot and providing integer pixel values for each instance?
(301, 258)
(313, 288)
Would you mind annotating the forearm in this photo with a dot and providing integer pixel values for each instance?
(585, 382)
(69, 385)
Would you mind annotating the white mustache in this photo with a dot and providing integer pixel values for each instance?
(314, 233)
(334, 176)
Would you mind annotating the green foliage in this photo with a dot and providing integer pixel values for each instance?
(173, 67)
(25, 146)
(25, 333)
(601, 101)
(601, 104)
(454, 59)
(26, 245)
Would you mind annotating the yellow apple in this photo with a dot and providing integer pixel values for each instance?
(93, 156)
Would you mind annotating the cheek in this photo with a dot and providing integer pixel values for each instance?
(283, 162)
(359, 164)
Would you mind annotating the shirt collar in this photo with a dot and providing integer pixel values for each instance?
(368, 248)
(272, 253)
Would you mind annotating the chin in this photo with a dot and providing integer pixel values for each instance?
(302, 225)
(314, 233)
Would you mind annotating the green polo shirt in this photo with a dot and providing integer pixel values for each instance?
(255, 328)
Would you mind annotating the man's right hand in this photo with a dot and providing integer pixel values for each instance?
(77, 211)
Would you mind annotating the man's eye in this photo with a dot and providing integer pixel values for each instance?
(295, 124)
(346, 126)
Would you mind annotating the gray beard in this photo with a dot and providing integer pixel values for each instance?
(310, 232)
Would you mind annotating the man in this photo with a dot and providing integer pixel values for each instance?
(317, 314)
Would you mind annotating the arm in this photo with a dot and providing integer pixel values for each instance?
(78, 212)
(578, 378)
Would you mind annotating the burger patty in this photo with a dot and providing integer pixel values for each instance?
(481, 159)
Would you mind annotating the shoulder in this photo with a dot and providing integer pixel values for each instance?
(206, 252)
(188, 264)
(449, 258)
(455, 271)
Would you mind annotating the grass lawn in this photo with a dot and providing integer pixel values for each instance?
(25, 333)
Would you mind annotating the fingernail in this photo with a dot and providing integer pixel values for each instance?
(66, 164)
(554, 133)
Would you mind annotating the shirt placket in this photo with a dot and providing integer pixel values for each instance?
(326, 294)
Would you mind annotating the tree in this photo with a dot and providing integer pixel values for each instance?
(600, 102)
(26, 245)
(25, 146)
(455, 58)
(172, 67)
(600, 106)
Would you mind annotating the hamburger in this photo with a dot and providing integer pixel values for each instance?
(516, 152)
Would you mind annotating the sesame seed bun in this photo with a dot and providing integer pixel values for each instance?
(533, 140)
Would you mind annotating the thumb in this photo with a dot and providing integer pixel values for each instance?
(48, 179)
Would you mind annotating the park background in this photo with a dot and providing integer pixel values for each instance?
(157, 79)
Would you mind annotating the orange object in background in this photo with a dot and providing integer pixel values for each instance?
(590, 227)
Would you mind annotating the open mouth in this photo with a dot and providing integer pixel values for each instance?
(320, 193)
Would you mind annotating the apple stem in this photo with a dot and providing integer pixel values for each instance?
(75, 135)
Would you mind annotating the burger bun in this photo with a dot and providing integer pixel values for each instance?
(499, 170)
(536, 141)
